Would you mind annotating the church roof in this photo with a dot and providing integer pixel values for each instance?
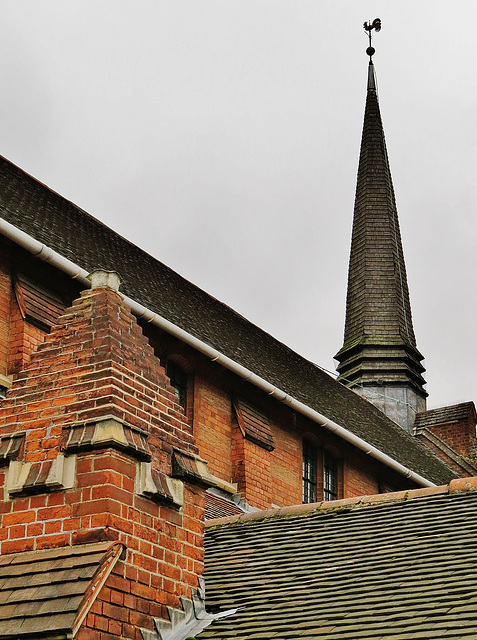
(378, 309)
(388, 567)
(76, 235)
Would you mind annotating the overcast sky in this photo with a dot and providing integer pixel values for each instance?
(222, 136)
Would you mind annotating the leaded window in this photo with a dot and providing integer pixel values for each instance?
(330, 477)
(309, 473)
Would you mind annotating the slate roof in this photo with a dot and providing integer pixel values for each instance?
(61, 225)
(47, 593)
(378, 309)
(391, 567)
(445, 415)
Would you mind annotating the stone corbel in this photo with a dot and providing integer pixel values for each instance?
(39, 477)
(10, 447)
(106, 432)
(156, 486)
(191, 468)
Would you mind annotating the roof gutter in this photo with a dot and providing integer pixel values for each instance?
(50, 256)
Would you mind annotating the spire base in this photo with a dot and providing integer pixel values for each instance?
(400, 404)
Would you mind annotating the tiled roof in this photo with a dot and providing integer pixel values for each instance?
(445, 415)
(48, 593)
(390, 567)
(64, 227)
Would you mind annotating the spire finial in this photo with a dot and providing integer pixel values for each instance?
(369, 26)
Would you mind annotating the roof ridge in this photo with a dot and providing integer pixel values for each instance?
(59, 552)
(448, 407)
(458, 485)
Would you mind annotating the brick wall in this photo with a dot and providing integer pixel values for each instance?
(454, 460)
(266, 478)
(458, 435)
(251, 465)
(24, 339)
(19, 338)
(286, 460)
(359, 478)
(213, 423)
(97, 363)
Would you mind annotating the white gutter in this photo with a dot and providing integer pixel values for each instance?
(47, 254)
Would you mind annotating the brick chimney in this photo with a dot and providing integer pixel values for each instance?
(95, 450)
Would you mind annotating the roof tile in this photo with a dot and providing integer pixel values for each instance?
(378, 569)
(41, 591)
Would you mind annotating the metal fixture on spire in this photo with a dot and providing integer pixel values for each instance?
(369, 26)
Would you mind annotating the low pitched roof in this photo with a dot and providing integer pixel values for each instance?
(390, 567)
(61, 225)
(48, 593)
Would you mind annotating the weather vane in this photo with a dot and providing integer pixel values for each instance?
(369, 26)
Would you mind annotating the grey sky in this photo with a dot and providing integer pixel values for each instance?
(223, 138)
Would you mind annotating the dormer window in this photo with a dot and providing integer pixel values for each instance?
(178, 379)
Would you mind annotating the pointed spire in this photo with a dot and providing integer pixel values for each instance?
(371, 77)
(379, 356)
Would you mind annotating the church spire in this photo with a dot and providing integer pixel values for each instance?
(379, 357)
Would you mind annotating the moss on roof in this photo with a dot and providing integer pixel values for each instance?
(386, 570)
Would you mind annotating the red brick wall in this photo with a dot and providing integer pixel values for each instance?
(18, 339)
(212, 417)
(252, 471)
(213, 424)
(96, 362)
(452, 462)
(164, 547)
(267, 478)
(359, 478)
(81, 372)
(286, 462)
(24, 340)
(460, 436)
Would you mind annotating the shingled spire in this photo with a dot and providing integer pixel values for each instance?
(379, 357)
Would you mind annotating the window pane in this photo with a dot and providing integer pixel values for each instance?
(330, 478)
(309, 473)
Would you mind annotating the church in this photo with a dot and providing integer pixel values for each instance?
(143, 422)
